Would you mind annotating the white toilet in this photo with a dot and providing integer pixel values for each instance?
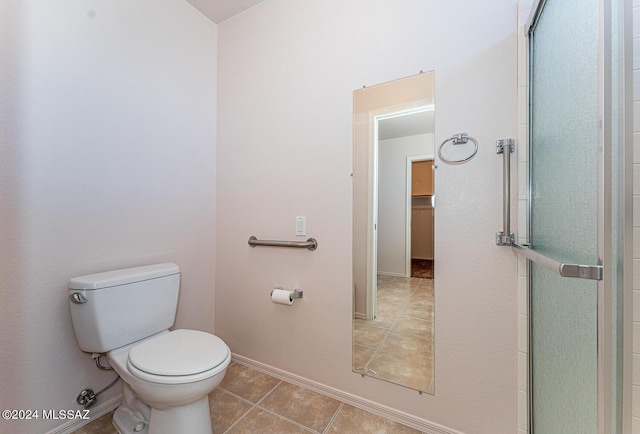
(166, 375)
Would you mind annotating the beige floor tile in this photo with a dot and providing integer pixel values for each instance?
(420, 299)
(407, 306)
(247, 383)
(352, 420)
(361, 356)
(386, 318)
(418, 311)
(301, 405)
(101, 425)
(413, 326)
(387, 309)
(421, 346)
(402, 367)
(385, 280)
(397, 288)
(295, 406)
(263, 422)
(392, 298)
(225, 410)
(405, 289)
(367, 334)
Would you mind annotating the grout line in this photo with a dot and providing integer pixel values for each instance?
(279, 416)
(245, 400)
(326, 429)
(238, 420)
(269, 392)
(406, 304)
(366, 367)
(377, 348)
(253, 404)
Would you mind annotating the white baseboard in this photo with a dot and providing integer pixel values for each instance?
(391, 274)
(414, 422)
(95, 412)
(360, 315)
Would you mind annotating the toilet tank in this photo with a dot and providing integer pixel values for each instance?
(113, 309)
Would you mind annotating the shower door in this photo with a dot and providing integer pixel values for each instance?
(572, 345)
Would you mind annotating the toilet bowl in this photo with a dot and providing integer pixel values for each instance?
(172, 373)
(166, 375)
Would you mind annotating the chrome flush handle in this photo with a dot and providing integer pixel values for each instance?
(77, 298)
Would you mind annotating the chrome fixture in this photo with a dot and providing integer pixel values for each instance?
(86, 398)
(310, 244)
(506, 147)
(78, 298)
(458, 139)
(297, 293)
(578, 271)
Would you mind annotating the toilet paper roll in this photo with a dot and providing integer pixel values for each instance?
(282, 296)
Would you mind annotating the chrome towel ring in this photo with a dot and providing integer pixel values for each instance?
(458, 139)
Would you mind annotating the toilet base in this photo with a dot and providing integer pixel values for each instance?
(134, 416)
(193, 418)
(126, 423)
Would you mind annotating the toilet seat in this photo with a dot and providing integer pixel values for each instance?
(180, 356)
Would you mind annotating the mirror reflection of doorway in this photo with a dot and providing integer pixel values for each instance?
(393, 322)
(421, 227)
(404, 196)
(399, 342)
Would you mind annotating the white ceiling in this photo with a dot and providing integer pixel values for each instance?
(406, 125)
(219, 10)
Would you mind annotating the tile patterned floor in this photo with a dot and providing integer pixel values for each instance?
(397, 346)
(250, 402)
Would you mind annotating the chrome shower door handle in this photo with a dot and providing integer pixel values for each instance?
(578, 271)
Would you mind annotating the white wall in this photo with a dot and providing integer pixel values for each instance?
(392, 198)
(107, 160)
(287, 70)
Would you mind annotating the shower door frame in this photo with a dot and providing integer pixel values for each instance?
(614, 394)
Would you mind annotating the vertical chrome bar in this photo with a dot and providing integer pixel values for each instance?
(604, 306)
(624, 226)
(505, 237)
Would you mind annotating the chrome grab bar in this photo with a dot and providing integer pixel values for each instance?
(507, 238)
(593, 272)
(505, 147)
(310, 244)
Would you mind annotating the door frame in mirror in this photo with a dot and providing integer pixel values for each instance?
(416, 90)
(372, 205)
(409, 199)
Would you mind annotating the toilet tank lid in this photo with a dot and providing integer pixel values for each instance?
(123, 277)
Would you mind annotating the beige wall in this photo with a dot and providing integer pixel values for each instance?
(107, 160)
(287, 71)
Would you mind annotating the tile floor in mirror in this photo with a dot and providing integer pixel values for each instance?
(251, 402)
(397, 345)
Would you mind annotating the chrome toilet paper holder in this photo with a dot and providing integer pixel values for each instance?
(297, 293)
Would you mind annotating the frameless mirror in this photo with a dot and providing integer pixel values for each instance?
(393, 232)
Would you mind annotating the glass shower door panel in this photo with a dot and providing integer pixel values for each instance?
(563, 225)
